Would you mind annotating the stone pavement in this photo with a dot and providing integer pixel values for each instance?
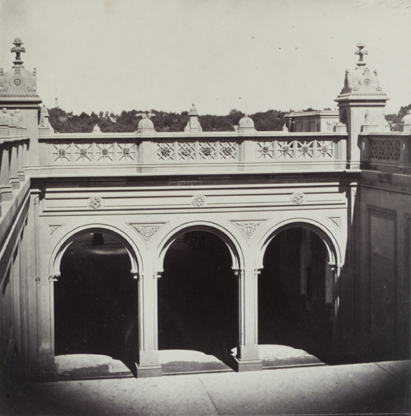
(377, 388)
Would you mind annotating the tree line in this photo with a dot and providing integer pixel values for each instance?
(127, 121)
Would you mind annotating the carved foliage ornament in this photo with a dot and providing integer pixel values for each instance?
(147, 231)
(298, 198)
(95, 202)
(248, 228)
(198, 201)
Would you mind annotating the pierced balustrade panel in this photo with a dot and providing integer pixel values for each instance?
(385, 149)
(93, 153)
(295, 150)
(197, 151)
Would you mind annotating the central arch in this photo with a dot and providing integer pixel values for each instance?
(198, 292)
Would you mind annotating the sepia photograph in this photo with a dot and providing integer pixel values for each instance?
(205, 207)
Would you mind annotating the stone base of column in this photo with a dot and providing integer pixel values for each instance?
(247, 365)
(15, 182)
(149, 371)
(6, 193)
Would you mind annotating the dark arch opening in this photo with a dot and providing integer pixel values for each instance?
(296, 294)
(197, 297)
(95, 299)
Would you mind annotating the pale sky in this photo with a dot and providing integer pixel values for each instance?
(251, 55)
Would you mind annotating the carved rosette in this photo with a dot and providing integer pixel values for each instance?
(297, 198)
(198, 201)
(147, 230)
(248, 228)
(95, 202)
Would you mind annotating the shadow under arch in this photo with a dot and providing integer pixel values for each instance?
(198, 292)
(95, 298)
(230, 241)
(61, 247)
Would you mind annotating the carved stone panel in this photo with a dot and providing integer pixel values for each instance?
(248, 228)
(147, 230)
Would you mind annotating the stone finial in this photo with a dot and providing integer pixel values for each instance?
(193, 125)
(19, 118)
(96, 129)
(193, 111)
(4, 117)
(145, 125)
(246, 125)
(18, 49)
(44, 116)
(361, 52)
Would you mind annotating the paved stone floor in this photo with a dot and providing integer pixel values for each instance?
(376, 388)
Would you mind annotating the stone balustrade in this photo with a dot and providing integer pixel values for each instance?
(386, 152)
(13, 156)
(122, 153)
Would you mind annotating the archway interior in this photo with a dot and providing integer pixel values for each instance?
(295, 293)
(95, 299)
(197, 296)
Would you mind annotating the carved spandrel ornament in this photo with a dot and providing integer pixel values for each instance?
(53, 229)
(147, 230)
(336, 221)
(248, 228)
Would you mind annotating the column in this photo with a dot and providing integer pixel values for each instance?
(148, 363)
(5, 187)
(13, 157)
(21, 156)
(247, 358)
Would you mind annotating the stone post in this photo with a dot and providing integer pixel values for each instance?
(247, 358)
(14, 179)
(361, 103)
(148, 363)
(5, 187)
(21, 156)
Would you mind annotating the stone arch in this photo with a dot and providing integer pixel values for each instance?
(331, 243)
(228, 238)
(68, 238)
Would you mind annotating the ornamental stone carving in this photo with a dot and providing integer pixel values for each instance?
(198, 201)
(298, 198)
(147, 231)
(53, 229)
(95, 202)
(335, 220)
(248, 228)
